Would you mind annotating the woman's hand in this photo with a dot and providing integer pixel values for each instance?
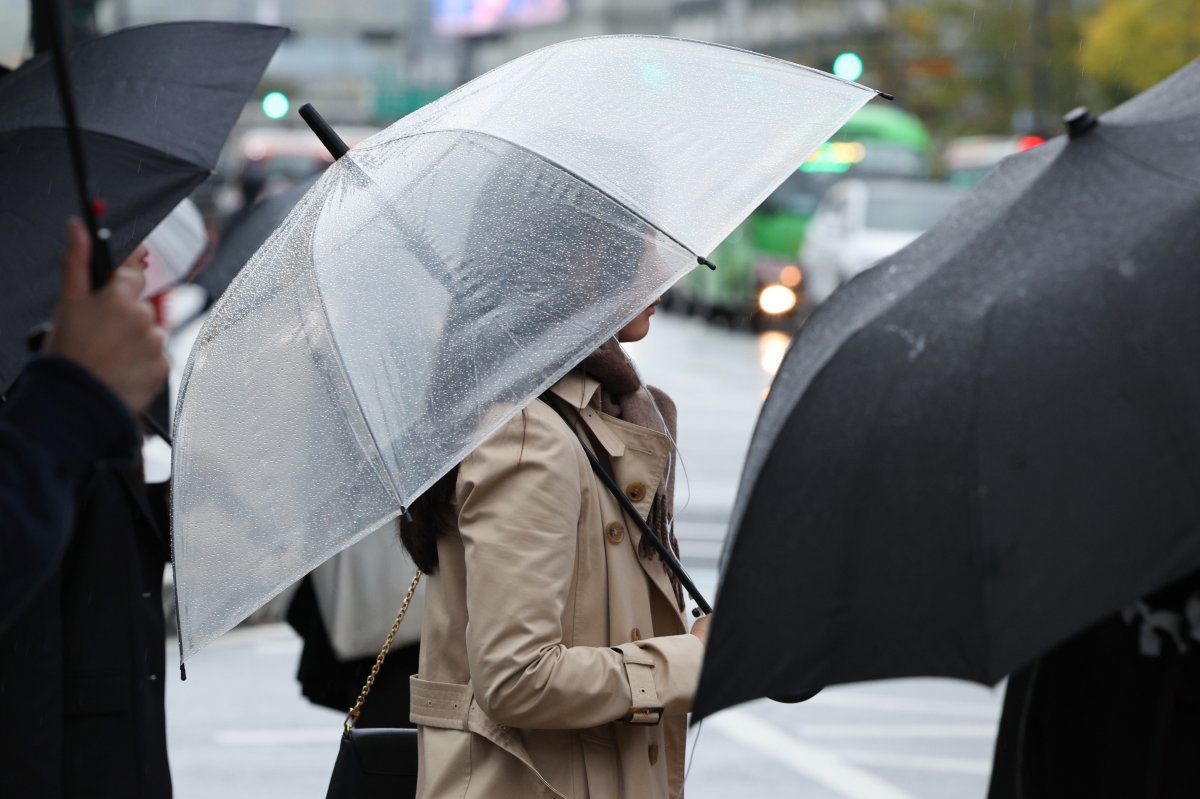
(700, 628)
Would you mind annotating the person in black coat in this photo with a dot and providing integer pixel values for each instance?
(82, 643)
(1113, 712)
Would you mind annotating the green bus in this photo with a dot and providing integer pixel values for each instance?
(757, 279)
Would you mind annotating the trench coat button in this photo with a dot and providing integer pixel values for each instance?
(635, 635)
(653, 753)
(635, 491)
(615, 532)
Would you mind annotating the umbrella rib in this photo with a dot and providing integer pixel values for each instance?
(389, 483)
(1150, 166)
(590, 184)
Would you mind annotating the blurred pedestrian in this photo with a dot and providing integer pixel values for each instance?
(82, 653)
(70, 409)
(554, 647)
(344, 610)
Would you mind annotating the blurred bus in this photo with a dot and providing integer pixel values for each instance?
(757, 277)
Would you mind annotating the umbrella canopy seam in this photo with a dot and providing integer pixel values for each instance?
(1109, 144)
(572, 173)
(96, 134)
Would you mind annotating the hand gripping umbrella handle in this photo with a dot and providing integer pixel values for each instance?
(663, 550)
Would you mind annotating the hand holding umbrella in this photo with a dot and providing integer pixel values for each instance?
(109, 331)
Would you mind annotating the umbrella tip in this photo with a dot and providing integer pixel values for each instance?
(1079, 121)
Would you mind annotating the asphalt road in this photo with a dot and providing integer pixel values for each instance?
(238, 727)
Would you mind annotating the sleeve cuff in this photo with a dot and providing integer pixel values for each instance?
(60, 404)
(645, 706)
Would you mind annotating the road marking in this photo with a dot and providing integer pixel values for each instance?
(946, 765)
(897, 730)
(325, 736)
(900, 704)
(818, 765)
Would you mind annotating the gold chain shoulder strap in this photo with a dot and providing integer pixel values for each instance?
(356, 711)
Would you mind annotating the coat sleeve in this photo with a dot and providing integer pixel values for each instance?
(57, 423)
(519, 498)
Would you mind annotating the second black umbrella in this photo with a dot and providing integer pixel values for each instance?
(989, 441)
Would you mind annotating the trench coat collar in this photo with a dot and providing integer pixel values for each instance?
(576, 389)
(581, 392)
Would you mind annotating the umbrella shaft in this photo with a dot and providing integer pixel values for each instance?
(101, 259)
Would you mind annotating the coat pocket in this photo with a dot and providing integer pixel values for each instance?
(601, 763)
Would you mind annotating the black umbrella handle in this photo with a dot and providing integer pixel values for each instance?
(324, 131)
(101, 256)
(663, 550)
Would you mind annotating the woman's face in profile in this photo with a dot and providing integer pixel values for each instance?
(639, 326)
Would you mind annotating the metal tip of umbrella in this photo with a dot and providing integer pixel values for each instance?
(1079, 122)
(324, 131)
(886, 95)
(700, 259)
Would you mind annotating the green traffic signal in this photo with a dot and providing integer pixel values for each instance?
(275, 105)
(848, 66)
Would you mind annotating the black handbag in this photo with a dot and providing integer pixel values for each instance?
(376, 763)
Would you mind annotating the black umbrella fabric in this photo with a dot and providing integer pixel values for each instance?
(155, 104)
(989, 441)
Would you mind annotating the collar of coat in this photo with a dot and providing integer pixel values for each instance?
(581, 393)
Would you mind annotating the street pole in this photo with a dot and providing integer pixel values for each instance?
(80, 23)
(1042, 94)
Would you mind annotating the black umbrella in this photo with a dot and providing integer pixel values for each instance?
(992, 439)
(155, 105)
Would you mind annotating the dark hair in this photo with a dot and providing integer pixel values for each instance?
(432, 514)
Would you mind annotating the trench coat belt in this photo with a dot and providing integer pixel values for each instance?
(452, 706)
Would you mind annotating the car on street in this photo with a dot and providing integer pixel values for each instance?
(859, 222)
(757, 280)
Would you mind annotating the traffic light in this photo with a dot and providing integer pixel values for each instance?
(848, 66)
(275, 105)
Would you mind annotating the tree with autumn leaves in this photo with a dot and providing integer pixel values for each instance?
(975, 66)
(1129, 45)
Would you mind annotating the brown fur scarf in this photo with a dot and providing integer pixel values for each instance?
(622, 395)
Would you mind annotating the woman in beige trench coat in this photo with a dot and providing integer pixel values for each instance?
(555, 656)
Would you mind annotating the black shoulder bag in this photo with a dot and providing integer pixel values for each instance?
(376, 763)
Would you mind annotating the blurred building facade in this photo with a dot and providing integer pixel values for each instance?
(963, 65)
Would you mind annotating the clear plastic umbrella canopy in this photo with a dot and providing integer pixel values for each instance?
(444, 273)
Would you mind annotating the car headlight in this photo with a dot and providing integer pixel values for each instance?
(776, 299)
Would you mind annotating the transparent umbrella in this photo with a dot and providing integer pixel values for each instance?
(444, 273)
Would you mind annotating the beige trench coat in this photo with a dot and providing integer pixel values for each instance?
(548, 645)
